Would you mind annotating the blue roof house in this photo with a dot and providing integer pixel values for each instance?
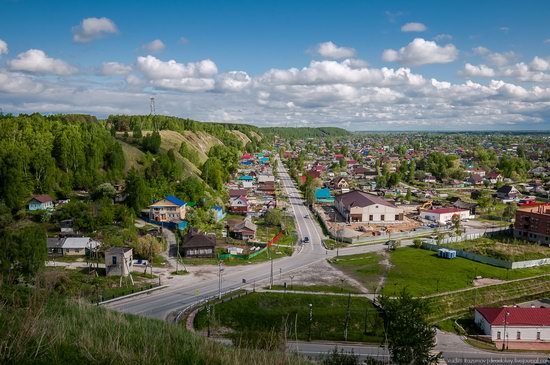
(246, 178)
(323, 196)
(219, 214)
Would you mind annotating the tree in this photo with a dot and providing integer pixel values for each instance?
(191, 189)
(273, 217)
(148, 246)
(213, 173)
(151, 142)
(105, 190)
(510, 210)
(138, 193)
(408, 197)
(411, 338)
(22, 250)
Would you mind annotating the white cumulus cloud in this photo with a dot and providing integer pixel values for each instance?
(421, 52)
(478, 71)
(413, 27)
(331, 50)
(12, 83)
(3, 47)
(115, 68)
(154, 46)
(155, 68)
(495, 58)
(93, 28)
(37, 61)
(233, 81)
(189, 77)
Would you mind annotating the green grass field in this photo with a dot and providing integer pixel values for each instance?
(345, 288)
(78, 284)
(457, 304)
(423, 273)
(365, 268)
(276, 252)
(504, 248)
(39, 327)
(267, 312)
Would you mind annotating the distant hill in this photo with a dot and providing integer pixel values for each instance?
(304, 132)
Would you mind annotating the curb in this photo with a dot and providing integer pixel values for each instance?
(133, 294)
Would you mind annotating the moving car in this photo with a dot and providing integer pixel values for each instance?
(306, 239)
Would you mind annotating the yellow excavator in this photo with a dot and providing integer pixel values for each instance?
(426, 205)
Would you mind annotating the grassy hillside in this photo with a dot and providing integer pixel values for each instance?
(132, 156)
(241, 136)
(37, 330)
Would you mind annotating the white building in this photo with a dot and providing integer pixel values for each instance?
(358, 206)
(118, 261)
(445, 215)
(516, 328)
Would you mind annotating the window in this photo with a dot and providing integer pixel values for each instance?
(382, 217)
(370, 217)
(114, 260)
(538, 335)
(397, 217)
(518, 335)
(498, 335)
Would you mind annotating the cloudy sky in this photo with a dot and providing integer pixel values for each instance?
(361, 65)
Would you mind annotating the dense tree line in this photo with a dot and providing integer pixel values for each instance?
(128, 123)
(54, 154)
(304, 132)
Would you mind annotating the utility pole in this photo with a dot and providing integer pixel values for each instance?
(208, 319)
(366, 320)
(310, 321)
(271, 275)
(346, 324)
(220, 269)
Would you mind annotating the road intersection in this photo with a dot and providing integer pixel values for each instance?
(165, 303)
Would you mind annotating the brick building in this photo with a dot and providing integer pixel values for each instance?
(533, 224)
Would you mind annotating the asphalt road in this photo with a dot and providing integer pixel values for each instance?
(162, 303)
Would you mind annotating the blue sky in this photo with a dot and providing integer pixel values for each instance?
(380, 65)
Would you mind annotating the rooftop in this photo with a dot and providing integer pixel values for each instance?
(359, 198)
(516, 316)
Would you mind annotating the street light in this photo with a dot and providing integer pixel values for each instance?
(291, 277)
(506, 337)
(220, 270)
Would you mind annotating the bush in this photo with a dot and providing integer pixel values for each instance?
(340, 358)
(417, 242)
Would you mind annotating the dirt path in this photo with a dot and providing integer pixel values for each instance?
(387, 267)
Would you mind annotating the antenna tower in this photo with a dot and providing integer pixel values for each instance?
(152, 106)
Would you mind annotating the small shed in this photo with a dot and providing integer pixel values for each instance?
(446, 253)
(118, 261)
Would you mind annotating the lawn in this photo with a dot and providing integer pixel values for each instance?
(423, 273)
(365, 268)
(458, 304)
(504, 248)
(276, 252)
(264, 313)
(266, 232)
(345, 288)
(332, 244)
(80, 284)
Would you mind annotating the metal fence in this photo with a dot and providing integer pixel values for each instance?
(434, 245)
